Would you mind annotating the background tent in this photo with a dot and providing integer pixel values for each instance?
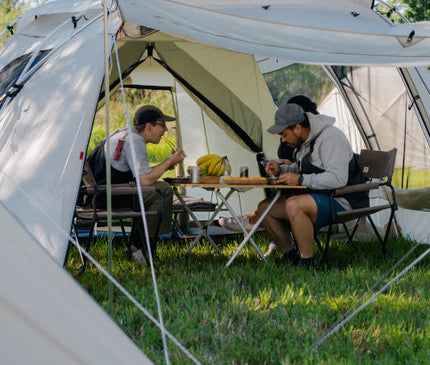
(200, 134)
(384, 114)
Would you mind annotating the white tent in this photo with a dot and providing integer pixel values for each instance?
(40, 135)
(46, 317)
(208, 46)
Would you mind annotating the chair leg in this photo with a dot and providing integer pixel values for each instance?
(327, 243)
(350, 236)
(387, 233)
(75, 231)
(324, 249)
(382, 241)
(87, 248)
(124, 234)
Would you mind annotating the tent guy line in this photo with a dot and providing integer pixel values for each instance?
(335, 325)
(141, 204)
(340, 324)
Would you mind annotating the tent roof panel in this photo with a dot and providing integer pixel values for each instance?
(309, 31)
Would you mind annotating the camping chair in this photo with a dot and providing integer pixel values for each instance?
(376, 165)
(93, 215)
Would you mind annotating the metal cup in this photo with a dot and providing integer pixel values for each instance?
(243, 172)
(195, 175)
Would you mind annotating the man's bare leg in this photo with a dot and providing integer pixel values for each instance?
(275, 223)
(299, 212)
(302, 212)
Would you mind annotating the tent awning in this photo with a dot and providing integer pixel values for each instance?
(336, 32)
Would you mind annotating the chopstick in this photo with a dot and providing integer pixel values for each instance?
(171, 145)
(265, 162)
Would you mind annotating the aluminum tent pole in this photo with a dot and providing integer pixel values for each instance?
(108, 167)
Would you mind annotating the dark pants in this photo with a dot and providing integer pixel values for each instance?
(152, 202)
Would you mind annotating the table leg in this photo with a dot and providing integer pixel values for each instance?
(203, 229)
(254, 228)
(236, 218)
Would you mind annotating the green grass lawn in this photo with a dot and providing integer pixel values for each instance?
(269, 313)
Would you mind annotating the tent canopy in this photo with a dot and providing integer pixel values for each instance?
(337, 32)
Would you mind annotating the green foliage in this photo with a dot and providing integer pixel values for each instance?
(9, 11)
(411, 179)
(298, 79)
(417, 10)
(269, 313)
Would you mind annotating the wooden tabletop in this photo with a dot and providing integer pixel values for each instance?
(237, 186)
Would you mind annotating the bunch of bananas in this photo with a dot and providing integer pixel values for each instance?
(212, 165)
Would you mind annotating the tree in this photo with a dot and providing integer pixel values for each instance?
(298, 79)
(418, 10)
(9, 11)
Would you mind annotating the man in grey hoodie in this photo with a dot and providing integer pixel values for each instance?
(322, 160)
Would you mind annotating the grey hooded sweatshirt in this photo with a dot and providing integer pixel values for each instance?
(331, 153)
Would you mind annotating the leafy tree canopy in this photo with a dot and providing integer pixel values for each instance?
(418, 10)
(298, 79)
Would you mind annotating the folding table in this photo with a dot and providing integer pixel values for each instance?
(216, 188)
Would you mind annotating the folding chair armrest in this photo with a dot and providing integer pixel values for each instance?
(126, 189)
(356, 188)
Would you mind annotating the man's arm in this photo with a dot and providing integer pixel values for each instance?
(157, 171)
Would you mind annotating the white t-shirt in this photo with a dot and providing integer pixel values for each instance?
(125, 161)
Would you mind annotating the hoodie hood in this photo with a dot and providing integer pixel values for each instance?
(318, 123)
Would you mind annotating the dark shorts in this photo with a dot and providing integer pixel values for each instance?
(324, 209)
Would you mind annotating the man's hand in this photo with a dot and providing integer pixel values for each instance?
(272, 168)
(289, 178)
(177, 157)
(284, 161)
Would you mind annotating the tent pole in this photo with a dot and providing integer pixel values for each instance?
(108, 167)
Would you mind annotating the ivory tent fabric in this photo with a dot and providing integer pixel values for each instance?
(45, 316)
(47, 125)
(337, 32)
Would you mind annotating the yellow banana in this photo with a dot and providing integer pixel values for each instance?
(213, 165)
(219, 168)
(204, 158)
(208, 162)
(204, 171)
(215, 170)
(220, 171)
